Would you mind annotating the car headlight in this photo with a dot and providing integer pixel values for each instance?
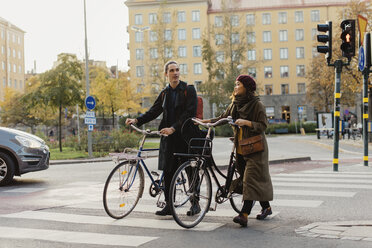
(27, 142)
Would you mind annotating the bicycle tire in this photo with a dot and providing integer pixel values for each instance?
(191, 189)
(123, 189)
(236, 199)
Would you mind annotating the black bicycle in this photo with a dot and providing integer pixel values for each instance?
(191, 186)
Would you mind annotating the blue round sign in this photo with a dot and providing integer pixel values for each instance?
(361, 59)
(90, 102)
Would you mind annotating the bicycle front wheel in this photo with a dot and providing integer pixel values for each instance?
(190, 194)
(236, 198)
(123, 188)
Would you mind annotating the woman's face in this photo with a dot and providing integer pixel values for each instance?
(239, 89)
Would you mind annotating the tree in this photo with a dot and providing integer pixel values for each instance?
(320, 89)
(229, 51)
(61, 87)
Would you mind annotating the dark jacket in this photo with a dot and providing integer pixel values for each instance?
(185, 107)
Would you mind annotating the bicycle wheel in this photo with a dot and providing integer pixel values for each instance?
(123, 188)
(190, 194)
(236, 199)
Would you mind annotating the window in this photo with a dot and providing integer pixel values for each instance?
(314, 33)
(268, 89)
(283, 53)
(268, 70)
(19, 42)
(138, 19)
(153, 36)
(266, 36)
(197, 85)
(182, 52)
(168, 52)
(220, 74)
(283, 35)
(139, 54)
(197, 68)
(196, 33)
(220, 57)
(2, 34)
(183, 69)
(138, 36)
(14, 53)
(196, 51)
(314, 52)
(19, 54)
(268, 54)
(140, 71)
(282, 17)
(251, 37)
(250, 19)
(284, 71)
(235, 55)
(251, 55)
(300, 70)
(196, 16)
(301, 88)
(15, 83)
(154, 70)
(299, 16)
(252, 71)
(270, 112)
(2, 49)
(300, 52)
(315, 16)
(266, 18)
(4, 82)
(218, 21)
(219, 39)
(181, 34)
(234, 19)
(284, 89)
(167, 17)
(235, 38)
(168, 34)
(153, 18)
(3, 65)
(181, 16)
(10, 81)
(154, 53)
(299, 34)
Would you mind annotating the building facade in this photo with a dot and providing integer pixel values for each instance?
(282, 34)
(12, 69)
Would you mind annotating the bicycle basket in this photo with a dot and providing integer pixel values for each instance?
(198, 145)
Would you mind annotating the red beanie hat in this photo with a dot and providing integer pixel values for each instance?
(247, 81)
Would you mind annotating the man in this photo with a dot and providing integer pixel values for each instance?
(177, 102)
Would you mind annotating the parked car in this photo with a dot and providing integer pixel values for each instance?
(21, 152)
(276, 121)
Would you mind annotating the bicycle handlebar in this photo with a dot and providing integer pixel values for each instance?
(146, 132)
(229, 119)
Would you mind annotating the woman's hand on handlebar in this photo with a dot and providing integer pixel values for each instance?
(242, 122)
(130, 121)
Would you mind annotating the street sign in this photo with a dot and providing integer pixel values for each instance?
(90, 102)
(300, 109)
(362, 27)
(90, 114)
(91, 121)
(90, 127)
(361, 62)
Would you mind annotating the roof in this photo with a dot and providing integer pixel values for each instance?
(10, 25)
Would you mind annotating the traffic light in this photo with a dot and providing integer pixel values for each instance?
(348, 38)
(325, 38)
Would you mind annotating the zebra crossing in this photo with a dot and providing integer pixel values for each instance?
(80, 203)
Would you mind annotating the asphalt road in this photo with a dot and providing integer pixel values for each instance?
(313, 206)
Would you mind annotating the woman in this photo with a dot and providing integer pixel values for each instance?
(250, 116)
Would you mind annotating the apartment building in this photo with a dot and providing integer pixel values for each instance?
(12, 71)
(282, 35)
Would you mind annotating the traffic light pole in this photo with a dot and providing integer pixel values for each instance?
(338, 69)
(365, 114)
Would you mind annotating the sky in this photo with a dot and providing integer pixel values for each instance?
(57, 26)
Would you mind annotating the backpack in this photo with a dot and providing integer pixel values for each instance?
(199, 108)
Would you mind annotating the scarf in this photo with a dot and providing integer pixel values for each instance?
(243, 106)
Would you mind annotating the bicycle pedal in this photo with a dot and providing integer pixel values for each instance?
(160, 204)
(154, 173)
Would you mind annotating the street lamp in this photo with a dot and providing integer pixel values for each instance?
(141, 30)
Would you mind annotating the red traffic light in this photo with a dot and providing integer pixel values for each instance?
(348, 38)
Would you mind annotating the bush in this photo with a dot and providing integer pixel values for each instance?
(224, 131)
(308, 127)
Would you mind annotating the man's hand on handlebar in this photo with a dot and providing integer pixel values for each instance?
(130, 121)
(167, 131)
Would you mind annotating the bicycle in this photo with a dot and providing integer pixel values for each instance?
(191, 186)
(125, 184)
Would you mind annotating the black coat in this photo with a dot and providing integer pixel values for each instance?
(186, 104)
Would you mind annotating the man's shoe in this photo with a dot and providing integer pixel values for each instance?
(241, 219)
(165, 211)
(194, 209)
(264, 213)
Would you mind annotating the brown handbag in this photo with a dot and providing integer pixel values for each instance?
(252, 144)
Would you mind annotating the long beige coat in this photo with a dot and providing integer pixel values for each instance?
(256, 179)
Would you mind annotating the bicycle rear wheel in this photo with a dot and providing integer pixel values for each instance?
(123, 188)
(190, 194)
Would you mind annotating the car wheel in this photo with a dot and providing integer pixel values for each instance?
(6, 169)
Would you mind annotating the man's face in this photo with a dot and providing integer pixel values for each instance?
(173, 73)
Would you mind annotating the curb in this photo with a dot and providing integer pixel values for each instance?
(289, 160)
